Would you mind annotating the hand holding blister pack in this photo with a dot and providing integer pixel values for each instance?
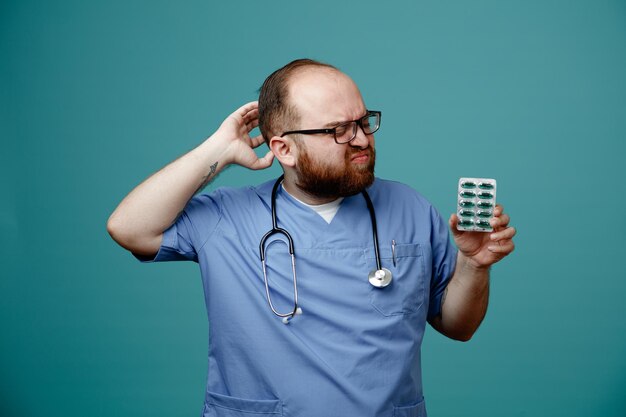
(476, 200)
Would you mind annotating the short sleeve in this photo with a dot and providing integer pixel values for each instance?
(193, 227)
(444, 262)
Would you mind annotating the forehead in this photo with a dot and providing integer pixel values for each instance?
(324, 95)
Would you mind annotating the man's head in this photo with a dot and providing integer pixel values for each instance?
(307, 95)
(275, 110)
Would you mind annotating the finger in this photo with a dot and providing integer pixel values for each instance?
(264, 162)
(504, 248)
(257, 141)
(453, 222)
(507, 233)
(243, 110)
(500, 222)
(251, 116)
(252, 124)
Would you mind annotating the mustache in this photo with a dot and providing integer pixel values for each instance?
(369, 151)
(355, 151)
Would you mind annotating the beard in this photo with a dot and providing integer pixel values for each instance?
(332, 181)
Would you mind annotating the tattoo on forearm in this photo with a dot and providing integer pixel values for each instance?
(208, 177)
(213, 168)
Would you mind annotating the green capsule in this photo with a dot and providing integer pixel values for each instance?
(468, 184)
(484, 224)
(466, 203)
(485, 186)
(466, 213)
(484, 213)
(466, 223)
(485, 195)
(467, 194)
(484, 204)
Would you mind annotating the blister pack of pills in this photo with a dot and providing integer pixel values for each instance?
(476, 200)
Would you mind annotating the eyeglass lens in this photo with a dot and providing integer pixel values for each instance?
(346, 132)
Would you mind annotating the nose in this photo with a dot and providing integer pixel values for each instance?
(361, 140)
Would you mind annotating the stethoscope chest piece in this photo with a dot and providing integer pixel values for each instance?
(380, 278)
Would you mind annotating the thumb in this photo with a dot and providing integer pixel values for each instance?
(453, 222)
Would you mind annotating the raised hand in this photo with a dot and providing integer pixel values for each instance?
(239, 146)
(485, 249)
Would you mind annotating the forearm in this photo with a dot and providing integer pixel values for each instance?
(465, 301)
(147, 211)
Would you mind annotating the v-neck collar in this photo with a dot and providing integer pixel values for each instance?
(332, 206)
(305, 209)
(350, 220)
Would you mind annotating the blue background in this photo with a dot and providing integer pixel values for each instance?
(95, 96)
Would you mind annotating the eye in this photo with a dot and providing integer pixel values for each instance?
(341, 130)
(370, 123)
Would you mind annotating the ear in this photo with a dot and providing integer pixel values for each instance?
(285, 150)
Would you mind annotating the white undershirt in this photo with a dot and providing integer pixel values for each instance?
(326, 210)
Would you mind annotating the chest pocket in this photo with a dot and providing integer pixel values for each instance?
(406, 293)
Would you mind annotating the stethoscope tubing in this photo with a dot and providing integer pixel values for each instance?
(370, 208)
(375, 278)
(274, 231)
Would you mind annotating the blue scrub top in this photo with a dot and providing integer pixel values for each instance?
(355, 350)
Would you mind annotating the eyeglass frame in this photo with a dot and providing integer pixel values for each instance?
(333, 130)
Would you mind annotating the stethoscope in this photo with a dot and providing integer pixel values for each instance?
(379, 277)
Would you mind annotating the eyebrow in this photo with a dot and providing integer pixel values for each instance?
(334, 124)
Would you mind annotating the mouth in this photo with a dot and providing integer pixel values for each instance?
(360, 157)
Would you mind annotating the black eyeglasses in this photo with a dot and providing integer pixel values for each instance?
(346, 132)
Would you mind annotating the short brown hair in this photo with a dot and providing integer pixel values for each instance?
(275, 110)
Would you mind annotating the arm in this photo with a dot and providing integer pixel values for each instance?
(464, 303)
(139, 221)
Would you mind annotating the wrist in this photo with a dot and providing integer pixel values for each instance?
(216, 148)
(470, 264)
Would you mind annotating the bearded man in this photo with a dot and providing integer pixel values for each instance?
(319, 284)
